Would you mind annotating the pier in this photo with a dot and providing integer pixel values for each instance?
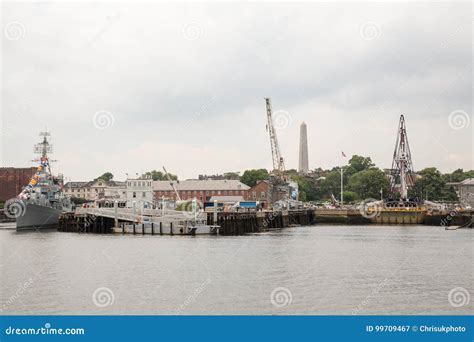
(154, 222)
(157, 222)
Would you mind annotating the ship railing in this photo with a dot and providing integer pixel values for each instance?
(125, 215)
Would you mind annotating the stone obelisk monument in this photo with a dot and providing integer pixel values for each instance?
(303, 163)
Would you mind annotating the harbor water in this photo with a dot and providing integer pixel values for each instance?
(317, 270)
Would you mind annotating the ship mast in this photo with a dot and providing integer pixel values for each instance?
(43, 148)
(403, 174)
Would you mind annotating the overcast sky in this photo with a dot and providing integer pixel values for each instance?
(131, 87)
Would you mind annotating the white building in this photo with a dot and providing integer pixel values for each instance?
(140, 192)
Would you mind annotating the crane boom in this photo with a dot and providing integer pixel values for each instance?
(172, 184)
(278, 161)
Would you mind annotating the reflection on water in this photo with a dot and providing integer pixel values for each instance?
(306, 270)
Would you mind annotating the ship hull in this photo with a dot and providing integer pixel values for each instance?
(399, 217)
(38, 217)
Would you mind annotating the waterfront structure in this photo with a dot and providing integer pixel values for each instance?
(202, 190)
(13, 180)
(260, 193)
(95, 190)
(397, 208)
(139, 192)
(465, 191)
(303, 166)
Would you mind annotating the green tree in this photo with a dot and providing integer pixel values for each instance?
(331, 184)
(350, 197)
(232, 175)
(251, 177)
(430, 185)
(368, 183)
(108, 176)
(159, 176)
(358, 164)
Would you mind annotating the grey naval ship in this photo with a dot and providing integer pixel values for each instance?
(42, 201)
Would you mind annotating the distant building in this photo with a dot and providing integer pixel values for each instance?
(13, 180)
(260, 193)
(140, 191)
(303, 153)
(202, 190)
(95, 190)
(465, 191)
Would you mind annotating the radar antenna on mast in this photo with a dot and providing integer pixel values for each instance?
(402, 174)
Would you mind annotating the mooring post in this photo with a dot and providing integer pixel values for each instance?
(161, 228)
(152, 228)
(116, 214)
(143, 228)
(215, 213)
(171, 228)
(134, 231)
(123, 228)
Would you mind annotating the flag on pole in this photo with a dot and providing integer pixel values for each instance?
(343, 154)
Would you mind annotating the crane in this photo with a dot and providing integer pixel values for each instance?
(278, 161)
(172, 184)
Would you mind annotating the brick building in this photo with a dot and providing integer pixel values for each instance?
(13, 180)
(202, 190)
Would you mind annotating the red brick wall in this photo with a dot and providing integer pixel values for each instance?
(12, 181)
(202, 196)
(255, 193)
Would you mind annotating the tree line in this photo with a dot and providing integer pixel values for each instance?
(362, 180)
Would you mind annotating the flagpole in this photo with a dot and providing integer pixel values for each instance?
(342, 186)
(342, 178)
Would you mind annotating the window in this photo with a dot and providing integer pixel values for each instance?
(134, 194)
(254, 194)
(262, 195)
(143, 194)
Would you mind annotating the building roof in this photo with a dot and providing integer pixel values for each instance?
(89, 184)
(76, 184)
(469, 181)
(227, 199)
(200, 185)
